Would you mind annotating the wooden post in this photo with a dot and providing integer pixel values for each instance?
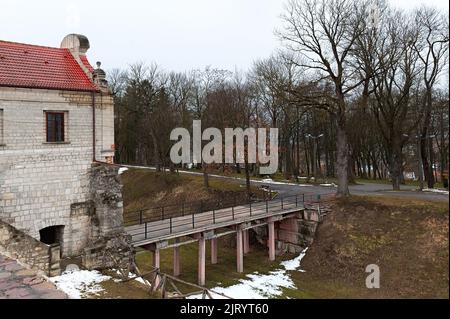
(201, 261)
(239, 251)
(214, 251)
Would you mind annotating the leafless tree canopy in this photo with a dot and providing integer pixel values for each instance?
(356, 90)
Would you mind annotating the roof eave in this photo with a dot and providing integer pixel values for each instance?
(93, 90)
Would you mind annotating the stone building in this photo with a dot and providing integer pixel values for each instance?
(56, 126)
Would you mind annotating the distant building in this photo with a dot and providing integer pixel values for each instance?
(56, 120)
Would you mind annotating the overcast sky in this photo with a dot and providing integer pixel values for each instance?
(176, 34)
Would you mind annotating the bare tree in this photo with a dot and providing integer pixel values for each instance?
(394, 81)
(432, 49)
(204, 83)
(324, 33)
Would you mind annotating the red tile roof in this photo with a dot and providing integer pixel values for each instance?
(32, 66)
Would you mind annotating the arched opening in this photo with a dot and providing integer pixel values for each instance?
(52, 235)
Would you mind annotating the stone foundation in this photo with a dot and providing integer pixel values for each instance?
(294, 234)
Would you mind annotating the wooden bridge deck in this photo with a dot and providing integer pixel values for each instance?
(170, 228)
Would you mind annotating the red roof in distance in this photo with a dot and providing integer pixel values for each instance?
(33, 66)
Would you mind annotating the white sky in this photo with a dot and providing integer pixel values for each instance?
(176, 34)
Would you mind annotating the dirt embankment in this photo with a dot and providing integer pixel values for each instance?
(407, 239)
(144, 189)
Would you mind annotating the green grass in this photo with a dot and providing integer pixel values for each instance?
(223, 273)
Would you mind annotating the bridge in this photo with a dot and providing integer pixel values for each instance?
(171, 227)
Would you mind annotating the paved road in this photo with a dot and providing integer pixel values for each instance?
(287, 189)
(17, 282)
(360, 189)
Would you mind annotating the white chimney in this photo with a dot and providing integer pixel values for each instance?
(78, 45)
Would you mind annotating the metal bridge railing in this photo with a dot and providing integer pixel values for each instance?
(169, 221)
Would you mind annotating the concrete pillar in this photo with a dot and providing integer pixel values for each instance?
(246, 241)
(156, 258)
(156, 264)
(271, 242)
(239, 251)
(201, 261)
(214, 251)
(176, 261)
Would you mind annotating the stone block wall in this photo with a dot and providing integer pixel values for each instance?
(29, 251)
(293, 234)
(42, 184)
(111, 247)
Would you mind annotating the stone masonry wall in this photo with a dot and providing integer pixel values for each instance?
(296, 233)
(28, 250)
(111, 248)
(44, 184)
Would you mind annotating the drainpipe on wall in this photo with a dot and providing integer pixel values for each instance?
(93, 127)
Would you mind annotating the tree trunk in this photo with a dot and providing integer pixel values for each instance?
(247, 172)
(395, 166)
(342, 160)
(427, 167)
(205, 176)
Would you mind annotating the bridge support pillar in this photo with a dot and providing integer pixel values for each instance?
(214, 251)
(239, 250)
(271, 242)
(156, 264)
(156, 258)
(176, 262)
(246, 241)
(201, 261)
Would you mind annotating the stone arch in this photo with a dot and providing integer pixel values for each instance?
(62, 233)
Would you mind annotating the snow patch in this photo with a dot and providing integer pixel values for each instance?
(133, 276)
(261, 286)
(433, 190)
(122, 170)
(329, 185)
(294, 264)
(271, 181)
(257, 286)
(80, 284)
